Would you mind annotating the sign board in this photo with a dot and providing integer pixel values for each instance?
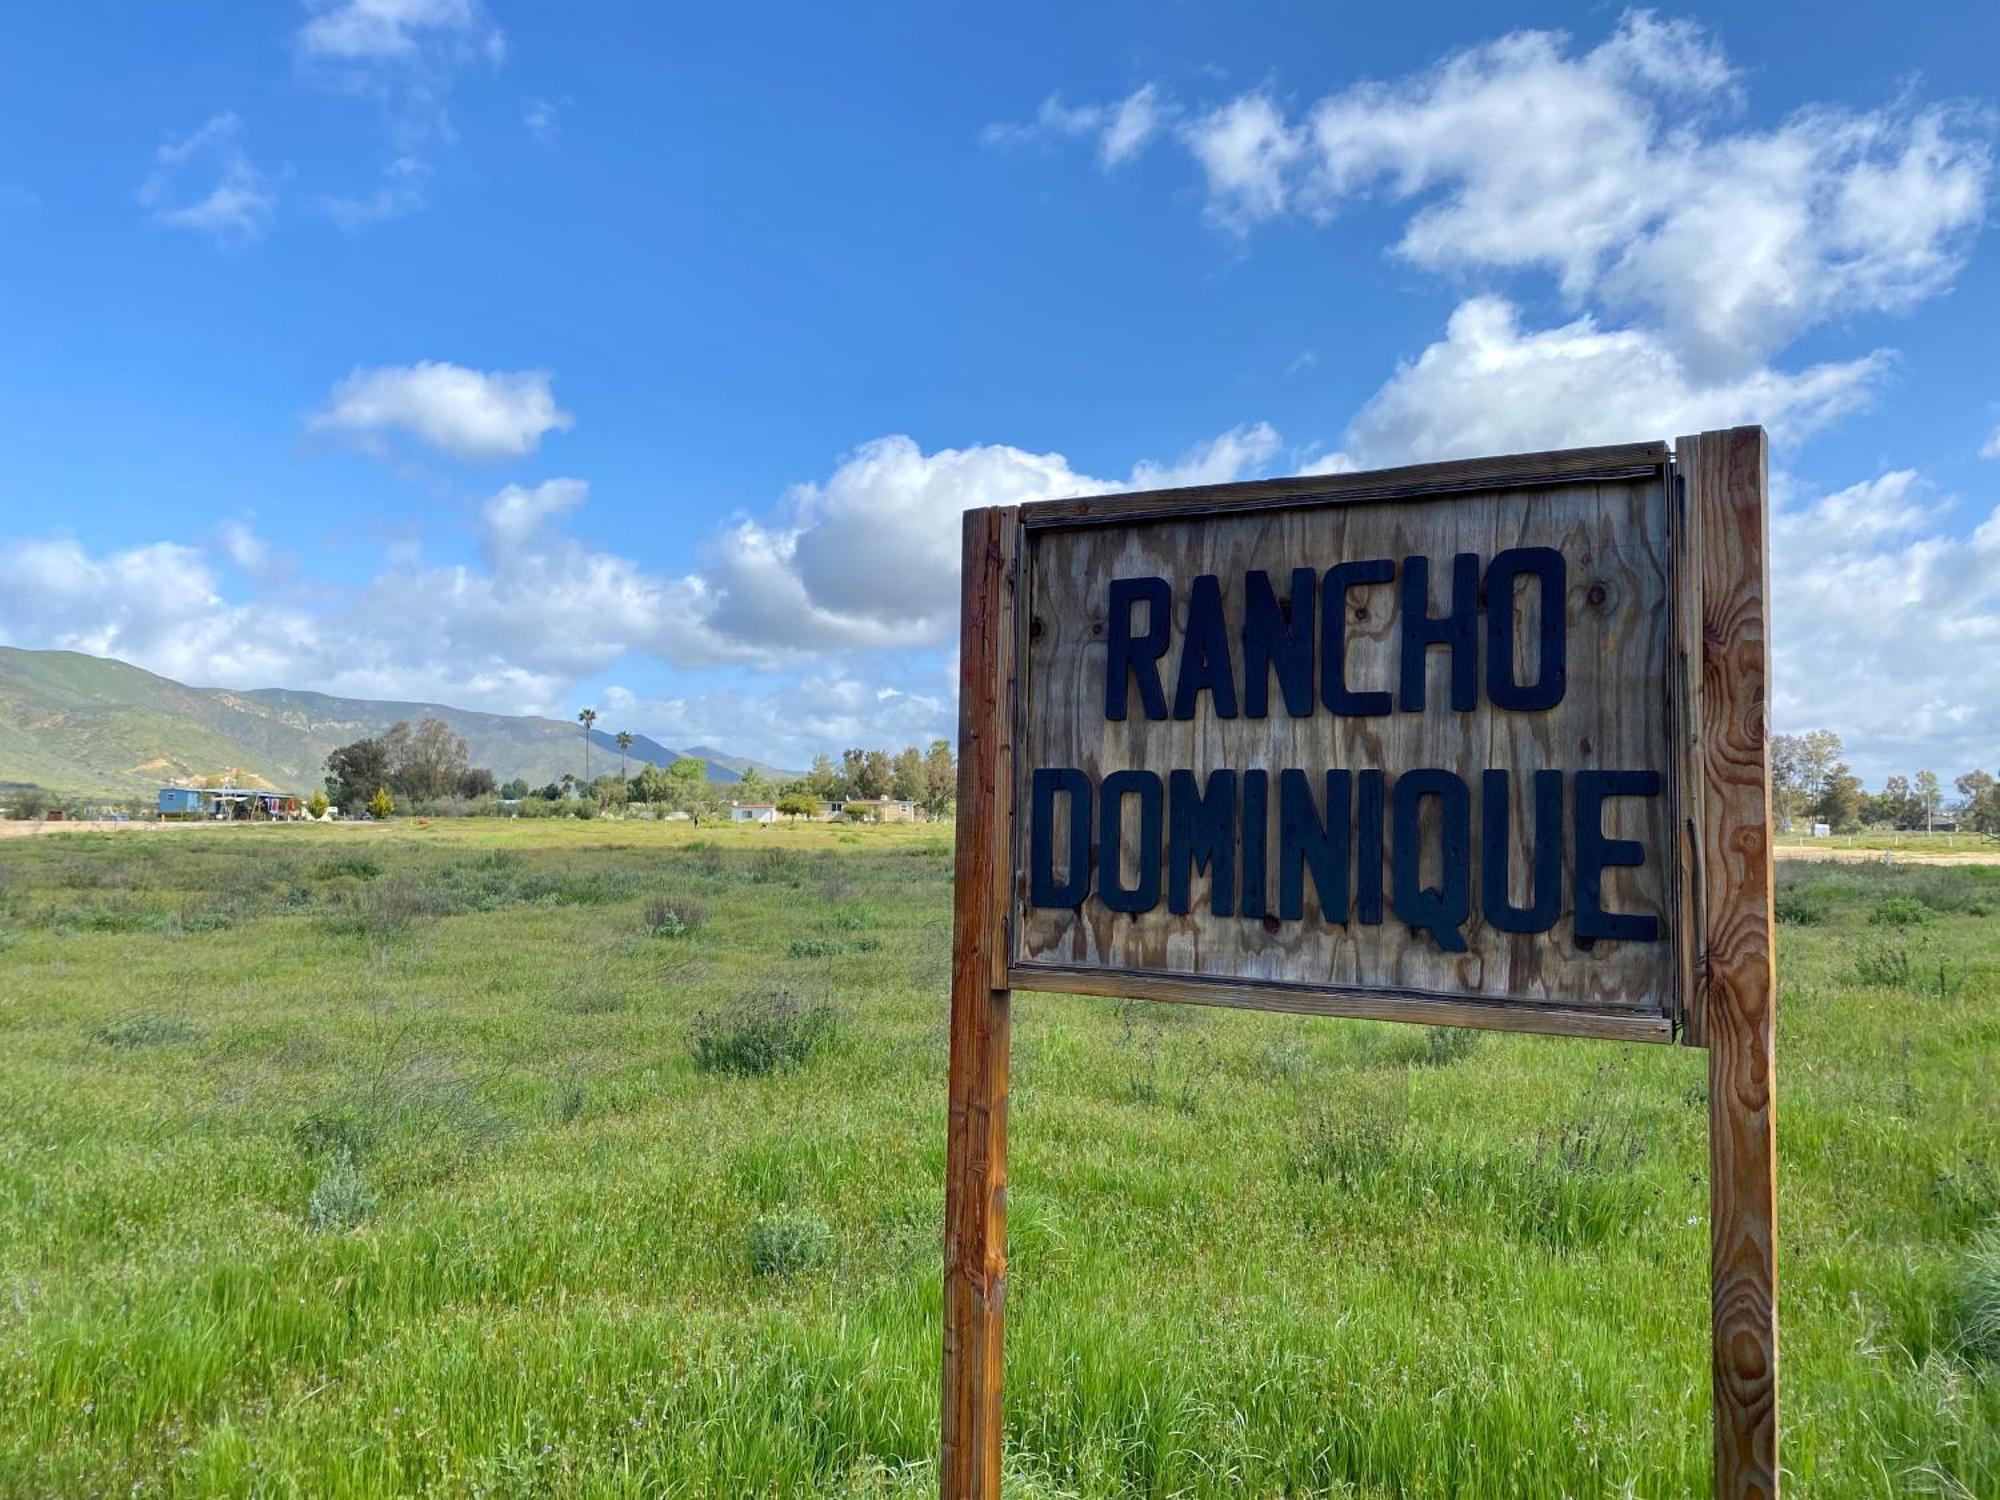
(1410, 756)
(1478, 743)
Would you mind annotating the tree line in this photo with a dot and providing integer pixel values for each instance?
(1810, 782)
(429, 765)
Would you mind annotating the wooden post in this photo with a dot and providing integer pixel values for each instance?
(975, 1215)
(1735, 993)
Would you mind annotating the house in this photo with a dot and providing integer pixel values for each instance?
(876, 809)
(178, 802)
(753, 812)
(226, 803)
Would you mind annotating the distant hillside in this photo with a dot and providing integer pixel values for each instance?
(84, 724)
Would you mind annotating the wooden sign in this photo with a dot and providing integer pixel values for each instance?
(1478, 743)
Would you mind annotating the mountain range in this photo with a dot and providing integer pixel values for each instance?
(88, 725)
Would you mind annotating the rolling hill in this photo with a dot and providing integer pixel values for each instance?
(88, 725)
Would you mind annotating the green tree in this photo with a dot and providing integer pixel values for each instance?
(1839, 801)
(353, 772)
(425, 763)
(1929, 797)
(689, 789)
(381, 804)
(650, 785)
(825, 780)
(869, 773)
(624, 744)
(316, 805)
(906, 773)
(800, 804)
(940, 779)
(754, 787)
(586, 717)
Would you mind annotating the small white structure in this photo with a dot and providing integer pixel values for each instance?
(753, 812)
(1822, 830)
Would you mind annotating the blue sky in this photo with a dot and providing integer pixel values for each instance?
(525, 356)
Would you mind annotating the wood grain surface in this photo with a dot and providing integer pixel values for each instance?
(1736, 979)
(1614, 535)
(975, 1231)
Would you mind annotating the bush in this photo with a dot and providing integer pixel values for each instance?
(815, 948)
(675, 917)
(1979, 1310)
(360, 866)
(1444, 1045)
(1805, 907)
(786, 1243)
(1889, 966)
(146, 1030)
(1900, 911)
(759, 1032)
(341, 1197)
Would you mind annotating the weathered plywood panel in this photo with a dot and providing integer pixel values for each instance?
(1613, 537)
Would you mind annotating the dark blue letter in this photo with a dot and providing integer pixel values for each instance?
(1201, 834)
(1303, 839)
(1595, 853)
(1280, 636)
(1552, 673)
(1128, 655)
(1205, 659)
(1043, 888)
(1441, 910)
(1111, 841)
(1333, 636)
(1545, 870)
(1459, 630)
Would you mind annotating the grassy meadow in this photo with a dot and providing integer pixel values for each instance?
(600, 1159)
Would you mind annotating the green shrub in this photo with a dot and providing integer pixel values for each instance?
(678, 917)
(146, 1029)
(815, 948)
(1886, 965)
(1979, 1307)
(760, 1032)
(784, 1244)
(1444, 1045)
(1900, 911)
(1804, 907)
(359, 866)
(341, 1197)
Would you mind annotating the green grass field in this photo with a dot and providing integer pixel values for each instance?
(436, 1161)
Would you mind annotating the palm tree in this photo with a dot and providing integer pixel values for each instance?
(587, 718)
(624, 744)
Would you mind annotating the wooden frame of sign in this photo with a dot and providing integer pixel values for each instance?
(1478, 743)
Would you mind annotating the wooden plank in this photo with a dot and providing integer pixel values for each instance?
(1414, 482)
(1315, 1000)
(975, 1269)
(1615, 538)
(1737, 982)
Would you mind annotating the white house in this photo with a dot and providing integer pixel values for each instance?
(753, 812)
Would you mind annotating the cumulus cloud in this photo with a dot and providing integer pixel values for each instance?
(1489, 387)
(1887, 627)
(1619, 170)
(394, 30)
(235, 210)
(1121, 130)
(471, 414)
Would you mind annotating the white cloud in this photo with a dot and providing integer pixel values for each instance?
(1121, 130)
(1617, 171)
(393, 30)
(518, 511)
(1248, 152)
(401, 191)
(1992, 446)
(791, 724)
(236, 210)
(1490, 387)
(470, 414)
(1887, 628)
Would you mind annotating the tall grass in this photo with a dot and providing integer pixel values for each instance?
(413, 1180)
